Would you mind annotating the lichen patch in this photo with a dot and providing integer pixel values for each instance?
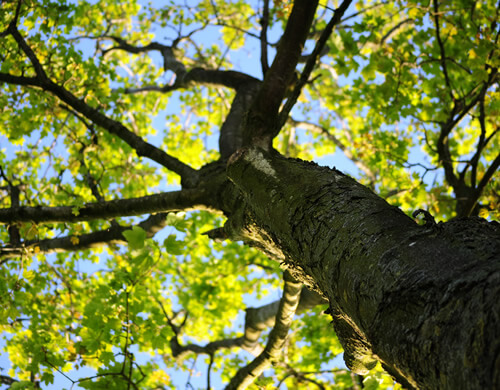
(258, 160)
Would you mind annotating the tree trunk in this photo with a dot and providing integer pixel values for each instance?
(424, 300)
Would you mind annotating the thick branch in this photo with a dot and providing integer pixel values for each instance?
(311, 62)
(225, 78)
(184, 78)
(167, 201)
(370, 259)
(262, 118)
(263, 38)
(113, 235)
(141, 147)
(231, 131)
(288, 305)
(257, 320)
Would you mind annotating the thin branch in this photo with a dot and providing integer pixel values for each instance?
(480, 143)
(40, 72)
(178, 350)
(209, 370)
(7, 380)
(443, 141)
(393, 29)
(169, 60)
(442, 50)
(320, 129)
(376, 5)
(487, 176)
(288, 305)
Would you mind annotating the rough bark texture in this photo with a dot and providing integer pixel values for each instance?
(424, 300)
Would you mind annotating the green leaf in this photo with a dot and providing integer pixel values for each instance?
(173, 246)
(135, 237)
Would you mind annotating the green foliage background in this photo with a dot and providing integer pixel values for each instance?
(379, 97)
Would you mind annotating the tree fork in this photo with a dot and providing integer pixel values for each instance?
(421, 299)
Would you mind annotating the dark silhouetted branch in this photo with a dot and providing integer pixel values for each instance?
(168, 201)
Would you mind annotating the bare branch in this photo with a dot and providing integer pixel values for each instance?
(311, 63)
(168, 201)
(256, 321)
(261, 123)
(264, 22)
(226, 78)
(288, 304)
(113, 235)
(442, 50)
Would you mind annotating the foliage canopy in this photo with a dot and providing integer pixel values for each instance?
(108, 100)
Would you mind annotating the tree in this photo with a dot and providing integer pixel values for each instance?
(157, 239)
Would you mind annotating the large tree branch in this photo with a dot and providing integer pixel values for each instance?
(112, 235)
(311, 63)
(261, 122)
(226, 78)
(257, 320)
(231, 131)
(142, 148)
(168, 201)
(288, 305)
(184, 78)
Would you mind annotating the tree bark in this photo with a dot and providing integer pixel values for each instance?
(424, 300)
